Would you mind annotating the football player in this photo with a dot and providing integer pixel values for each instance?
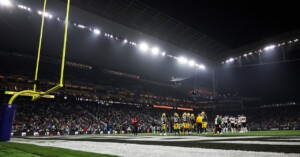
(163, 124)
(185, 123)
(176, 123)
(192, 123)
(204, 122)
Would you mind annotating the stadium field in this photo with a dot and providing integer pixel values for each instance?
(11, 149)
(256, 143)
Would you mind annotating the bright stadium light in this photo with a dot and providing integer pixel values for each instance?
(81, 26)
(6, 3)
(144, 47)
(269, 47)
(125, 41)
(24, 8)
(155, 50)
(182, 60)
(296, 40)
(192, 63)
(245, 55)
(201, 66)
(97, 31)
(163, 53)
(47, 15)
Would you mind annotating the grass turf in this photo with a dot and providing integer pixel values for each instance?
(11, 149)
(4, 151)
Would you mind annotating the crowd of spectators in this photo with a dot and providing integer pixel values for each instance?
(95, 99)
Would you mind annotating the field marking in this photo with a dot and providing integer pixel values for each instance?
(138, 150)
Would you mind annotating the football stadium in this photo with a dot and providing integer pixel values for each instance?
(149, 78)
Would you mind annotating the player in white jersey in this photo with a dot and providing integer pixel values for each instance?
(243, 120)
(236, 124)
(225, 124)
(232, 122)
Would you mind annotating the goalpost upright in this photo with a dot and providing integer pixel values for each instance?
(7, 111)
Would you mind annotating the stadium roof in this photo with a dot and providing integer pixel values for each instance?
(208, 29)
(142, 17)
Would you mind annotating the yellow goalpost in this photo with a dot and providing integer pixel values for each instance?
(34, 93)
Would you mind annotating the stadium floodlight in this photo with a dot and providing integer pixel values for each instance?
(144, 47)
(192, 63)
(245, 55)
(155, 50)
(111, 36)
(231, 59)
(125, 41)
(24, 7)
(250, 53)
(97, 31)
(201, 66)
(290, 42)
(81, 26)
(48, 15)
(163, 53)
(6, 3)
(182, 60)
(296, 40)
(269, 47)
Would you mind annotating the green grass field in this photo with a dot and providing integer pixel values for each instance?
(10, 149)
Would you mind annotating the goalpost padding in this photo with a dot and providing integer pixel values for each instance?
(7, 115)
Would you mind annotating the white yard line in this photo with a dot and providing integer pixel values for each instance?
(137, 150)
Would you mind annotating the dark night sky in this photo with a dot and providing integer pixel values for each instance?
(233, 23)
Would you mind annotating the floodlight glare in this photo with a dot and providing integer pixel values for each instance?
(182, 60)
(269, 47)
(202, 67)
(231, 59)
(192, 63)
(81, 26)
(97, 31)
(155, 50)
(296, 40)
(48, 15)
(163, 53)
(5, 3)
(143, 47)
(125, 41)
(245, 55)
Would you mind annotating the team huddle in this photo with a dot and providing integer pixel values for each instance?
(185, 124)
(188, 123)
(234, 124)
